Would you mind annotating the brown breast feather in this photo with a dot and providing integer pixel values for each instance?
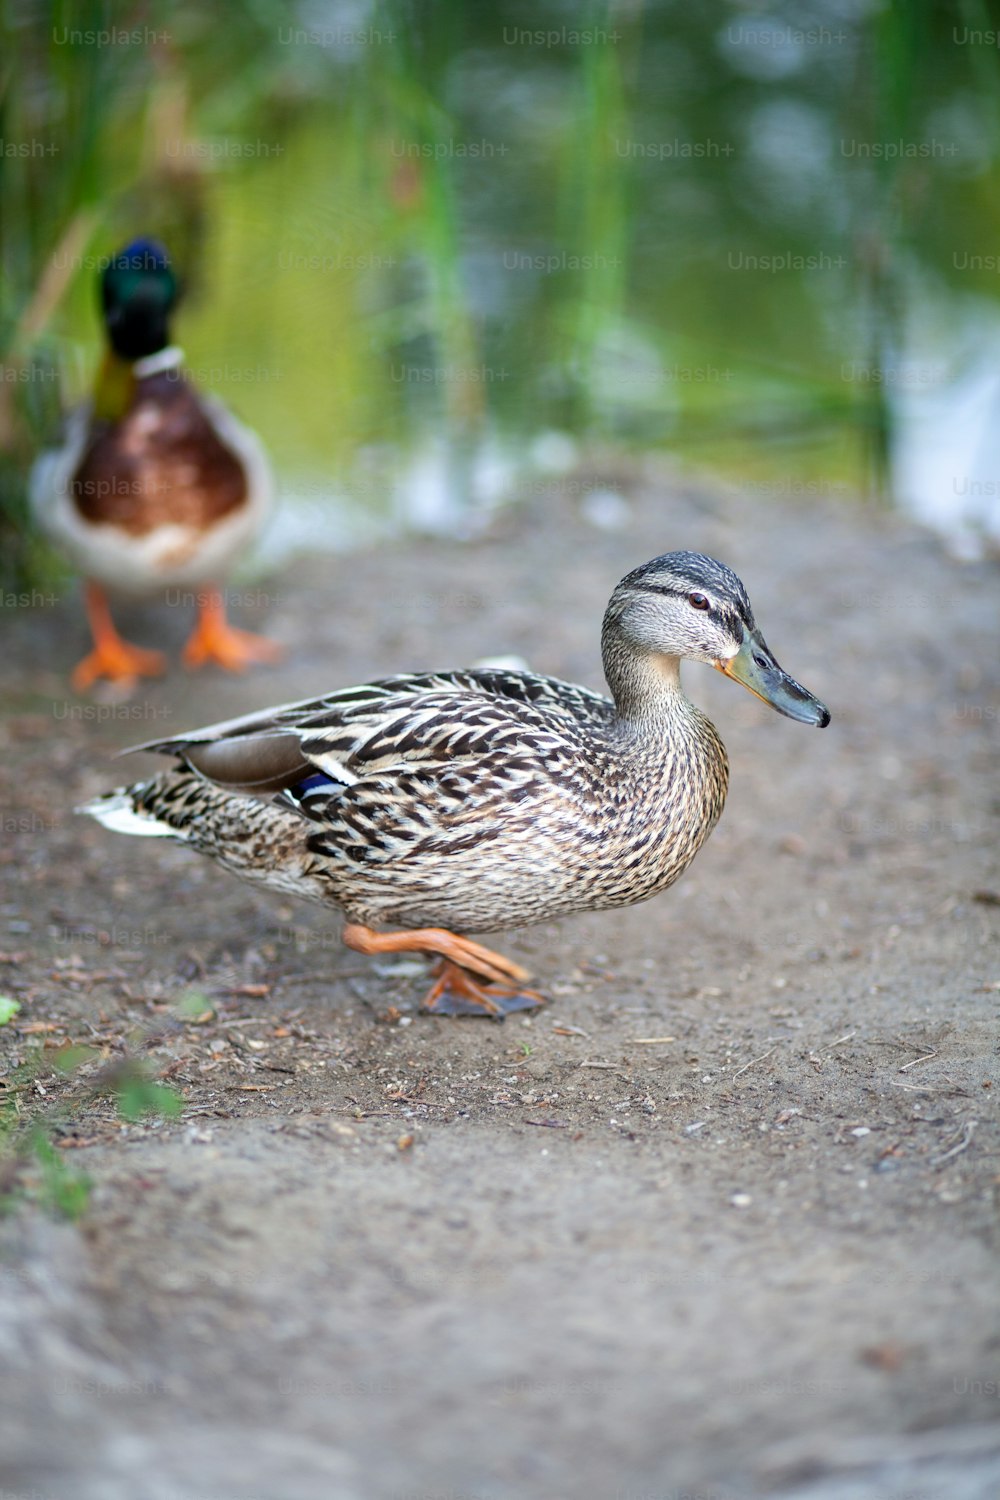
(161, 463)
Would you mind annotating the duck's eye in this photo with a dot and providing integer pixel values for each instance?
(698, 601)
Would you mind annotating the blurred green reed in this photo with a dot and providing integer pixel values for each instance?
(425, 224)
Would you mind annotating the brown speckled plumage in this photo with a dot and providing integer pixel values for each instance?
(503, 813)
(481, 798)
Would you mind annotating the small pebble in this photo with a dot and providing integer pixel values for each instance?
(741, 1200)
(861, 1130)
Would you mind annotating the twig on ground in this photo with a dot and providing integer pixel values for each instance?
(963, 1144)
(754, 1060)
(927, 1055)
(816, 1058)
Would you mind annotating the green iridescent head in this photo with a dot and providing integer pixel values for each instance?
(138, 294)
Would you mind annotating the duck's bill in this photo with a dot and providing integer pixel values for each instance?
(755, 667)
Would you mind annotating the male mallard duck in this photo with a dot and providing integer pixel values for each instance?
(155, 487)
(482, 798)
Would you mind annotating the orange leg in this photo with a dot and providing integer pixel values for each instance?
(455, 991)
(214, 639)
(112, 657)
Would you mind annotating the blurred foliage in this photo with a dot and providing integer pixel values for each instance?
(59, 1188)
(30, 1164)
(395, 220)
(137, 1095)
(32, 1167)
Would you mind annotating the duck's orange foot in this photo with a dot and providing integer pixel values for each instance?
(118, 660)
(215, 640)
(456, 992)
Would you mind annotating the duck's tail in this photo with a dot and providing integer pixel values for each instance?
(153, 809)
(259, 840)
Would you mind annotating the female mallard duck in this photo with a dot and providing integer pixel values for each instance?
(481, 798)
(155, 487)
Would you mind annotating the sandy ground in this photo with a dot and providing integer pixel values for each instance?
(716, 1223)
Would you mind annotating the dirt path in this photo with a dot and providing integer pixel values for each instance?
(380, 1258)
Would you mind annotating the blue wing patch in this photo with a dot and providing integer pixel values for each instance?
(314, 782)
(312, 795)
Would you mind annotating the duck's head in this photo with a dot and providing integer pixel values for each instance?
(138, 293)
(686, 605)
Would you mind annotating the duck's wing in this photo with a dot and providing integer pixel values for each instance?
(567, 699)
(435, 719)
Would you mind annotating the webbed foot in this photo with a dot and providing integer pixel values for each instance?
(456, 991)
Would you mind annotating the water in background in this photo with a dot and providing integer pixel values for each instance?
(431, 252)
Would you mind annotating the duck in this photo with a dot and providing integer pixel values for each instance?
(154, 485)
(428, 806)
